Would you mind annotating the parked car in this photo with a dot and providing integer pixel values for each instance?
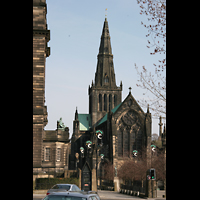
(64, 188)
(90, 195)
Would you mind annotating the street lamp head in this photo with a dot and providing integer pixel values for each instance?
(153, 148)
(99, 134)
(82, 149)
(135, 153)
(89, 144)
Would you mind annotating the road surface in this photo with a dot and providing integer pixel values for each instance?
(104, 195)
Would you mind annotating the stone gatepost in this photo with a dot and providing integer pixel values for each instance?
(151, 189)
(94, 180)
(116, 184)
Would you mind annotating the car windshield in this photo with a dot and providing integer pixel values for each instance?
(65, 187)
(63, 198)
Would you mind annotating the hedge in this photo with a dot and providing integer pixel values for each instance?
(47, 183)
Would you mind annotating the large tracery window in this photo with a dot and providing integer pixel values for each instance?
(129, 134)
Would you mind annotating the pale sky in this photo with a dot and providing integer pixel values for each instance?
(75, 31)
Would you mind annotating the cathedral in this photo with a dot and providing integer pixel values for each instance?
(111, 131)
(125, 127)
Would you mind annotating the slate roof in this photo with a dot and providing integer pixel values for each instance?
(113, 111)
(85, 122)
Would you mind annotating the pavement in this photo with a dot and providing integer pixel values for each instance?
(105, 194)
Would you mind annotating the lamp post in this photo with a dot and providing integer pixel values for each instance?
(99, 135)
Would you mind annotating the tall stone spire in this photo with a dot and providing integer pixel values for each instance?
(104, 94)
(105, 46)
(105, 75)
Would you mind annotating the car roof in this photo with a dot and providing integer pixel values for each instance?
(79, 194)
(64, 184)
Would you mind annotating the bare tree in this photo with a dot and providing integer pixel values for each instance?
(159, 163)
(128, 170)
(154, 83)
(108, 171)
(135, 169)
(156, 12)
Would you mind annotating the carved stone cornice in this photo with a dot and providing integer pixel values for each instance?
(42, 32)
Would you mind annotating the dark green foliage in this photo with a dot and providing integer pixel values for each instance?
(47, 183)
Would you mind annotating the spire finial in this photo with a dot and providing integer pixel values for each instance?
(76, 114)
(129, 89)
(106, 13)
(148, 108)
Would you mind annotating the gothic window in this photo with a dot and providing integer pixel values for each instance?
(126, 143)
(120, 142)
(90, 104)
(132, 138)
(139, 140)
(130, 134)
(115, 100)
(100, 102)
(110, 101)
(105, 102)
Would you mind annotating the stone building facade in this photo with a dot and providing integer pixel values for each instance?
(50, 147)
(41, 36)
(55, 147)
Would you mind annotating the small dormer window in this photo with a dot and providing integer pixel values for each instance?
(106, 78)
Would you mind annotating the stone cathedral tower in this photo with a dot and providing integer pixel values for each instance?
(104, 94)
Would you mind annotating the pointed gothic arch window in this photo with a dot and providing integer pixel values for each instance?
(115, 100)
(110, 102)
(105, 102)
(120, 142)
(125, 143)
(100, 102)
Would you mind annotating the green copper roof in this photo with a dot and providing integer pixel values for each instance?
(113, 111)
(85, 122)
